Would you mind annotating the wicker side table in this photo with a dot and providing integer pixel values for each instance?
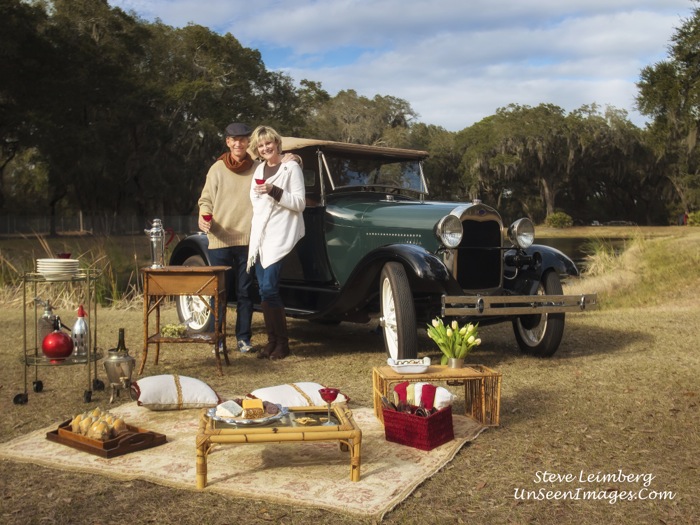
(482, 388)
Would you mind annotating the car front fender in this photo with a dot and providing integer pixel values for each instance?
(195, 244)
(425, 271)
(525, 280)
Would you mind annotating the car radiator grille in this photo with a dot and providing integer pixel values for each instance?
(479, 255)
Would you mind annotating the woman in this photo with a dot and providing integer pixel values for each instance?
(278, 197)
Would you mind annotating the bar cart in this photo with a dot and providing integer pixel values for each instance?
(82, 285)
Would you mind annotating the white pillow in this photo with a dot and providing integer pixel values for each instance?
(295, 395)
(173, 392)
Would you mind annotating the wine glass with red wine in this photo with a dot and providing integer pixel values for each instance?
(329, 395)
(259, 182)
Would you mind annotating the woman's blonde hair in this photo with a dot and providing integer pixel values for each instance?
(263, 133)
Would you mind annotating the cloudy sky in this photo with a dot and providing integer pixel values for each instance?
(454, 61)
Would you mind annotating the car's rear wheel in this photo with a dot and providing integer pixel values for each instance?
(540, 335)
(398, 315)
(192, 310)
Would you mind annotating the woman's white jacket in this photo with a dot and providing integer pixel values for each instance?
(277, 226)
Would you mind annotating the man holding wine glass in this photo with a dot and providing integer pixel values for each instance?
(225, 214)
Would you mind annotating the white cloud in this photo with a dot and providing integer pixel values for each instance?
(455, 62)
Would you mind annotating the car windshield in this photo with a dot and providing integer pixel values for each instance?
(382, 172)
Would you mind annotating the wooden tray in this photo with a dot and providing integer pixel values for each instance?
(133, 440)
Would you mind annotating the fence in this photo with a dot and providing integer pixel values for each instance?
(97, 225)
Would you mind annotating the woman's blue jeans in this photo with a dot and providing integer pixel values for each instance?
(269, 283)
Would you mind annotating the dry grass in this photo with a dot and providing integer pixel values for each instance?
(621, 394)
(116, 260)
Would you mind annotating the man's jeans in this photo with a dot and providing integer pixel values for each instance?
(236, 257)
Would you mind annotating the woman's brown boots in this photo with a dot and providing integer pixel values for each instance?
(269, 328)
(277, 346)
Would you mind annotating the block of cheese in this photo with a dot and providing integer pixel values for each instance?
(253, 408)
(229, 409)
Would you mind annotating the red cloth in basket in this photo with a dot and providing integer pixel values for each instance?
(424, 433)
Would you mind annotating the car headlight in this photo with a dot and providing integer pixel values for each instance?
(522, 233)
(449, 231)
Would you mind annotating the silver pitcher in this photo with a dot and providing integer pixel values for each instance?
(156, 235)
(119, 366)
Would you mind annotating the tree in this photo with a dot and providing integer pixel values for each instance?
(127, 115)
(348, 117)
(441, 168)
(22, 52)
(519, 153)
(669, 92)
(312, 98)
(536, 161)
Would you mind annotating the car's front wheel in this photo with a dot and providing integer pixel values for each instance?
(398, 315)
(191, 309)
(540, 335)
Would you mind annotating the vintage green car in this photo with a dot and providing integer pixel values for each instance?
(376, 248)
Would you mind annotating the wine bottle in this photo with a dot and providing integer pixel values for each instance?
(121, 346)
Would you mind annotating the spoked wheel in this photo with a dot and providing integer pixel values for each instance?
(191, 309)
(398, 315)
(540, 334)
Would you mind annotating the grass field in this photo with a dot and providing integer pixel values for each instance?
(620, 395)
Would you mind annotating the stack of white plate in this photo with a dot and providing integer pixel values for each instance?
(57, 269)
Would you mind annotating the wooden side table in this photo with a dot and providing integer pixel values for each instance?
(203, 281)
(482, 388)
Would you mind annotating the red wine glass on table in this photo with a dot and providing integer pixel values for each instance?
(329, 395)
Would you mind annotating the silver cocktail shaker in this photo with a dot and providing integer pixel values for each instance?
(156, 236)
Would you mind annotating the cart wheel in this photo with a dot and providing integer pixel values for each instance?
(98, 384)
(37, 386)
(20, 399)
(87, 396)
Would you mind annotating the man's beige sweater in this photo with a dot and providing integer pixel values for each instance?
(226, 195)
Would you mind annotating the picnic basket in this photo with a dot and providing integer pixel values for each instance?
(424, 433)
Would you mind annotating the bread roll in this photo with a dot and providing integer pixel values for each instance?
(85, 425)
(119, 426)
(100, 430)
(75, 423)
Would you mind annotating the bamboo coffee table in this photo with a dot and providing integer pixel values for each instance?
(287, 429)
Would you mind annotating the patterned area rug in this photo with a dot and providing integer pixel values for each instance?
(311, 474)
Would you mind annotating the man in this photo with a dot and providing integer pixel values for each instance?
(225, 214)
(225, 202)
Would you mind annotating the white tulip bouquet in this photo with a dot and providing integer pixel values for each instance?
(453, 341)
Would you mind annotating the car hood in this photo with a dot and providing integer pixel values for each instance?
(377, 211)
(360, 224)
